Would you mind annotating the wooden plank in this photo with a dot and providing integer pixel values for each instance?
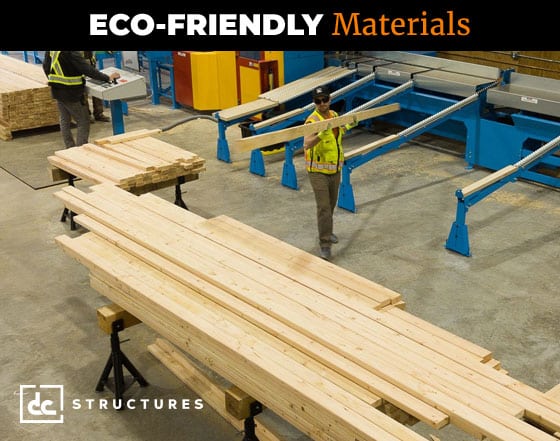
(266, 139)
(380, 294)
(128, 136)
(489, 180)
(211, 389)
(554, 393)
(119, 157)
(108, 314)
(480, 353)
(372, 146)
(81, 172)
(238, 403)
(57, 174)
(193, 375)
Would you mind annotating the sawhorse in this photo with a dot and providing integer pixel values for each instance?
(243, 407)
(67, 212)
(118, 319)
(178, 195)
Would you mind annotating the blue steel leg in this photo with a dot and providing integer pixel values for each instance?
(346, 193)
(117, 117)
(154, 85)
(289, 176)
(174, 102)
(257, 163)
(471, 144)
(458, 239)
(223, 147)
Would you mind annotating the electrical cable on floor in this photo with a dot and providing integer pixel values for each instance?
(185, 120)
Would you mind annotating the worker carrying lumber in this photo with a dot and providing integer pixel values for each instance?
(324, 156)
(66, 72)
(96, 103)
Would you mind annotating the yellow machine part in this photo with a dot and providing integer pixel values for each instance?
(216, 68)
(250, 84)
(279, 57)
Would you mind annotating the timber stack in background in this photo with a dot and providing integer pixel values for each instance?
(538, 63)
(25, 97)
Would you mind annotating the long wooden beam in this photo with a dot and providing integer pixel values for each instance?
(266, 139)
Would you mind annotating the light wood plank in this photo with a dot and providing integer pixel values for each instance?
(283, 135)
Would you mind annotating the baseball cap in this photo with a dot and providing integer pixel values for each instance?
(321, 91)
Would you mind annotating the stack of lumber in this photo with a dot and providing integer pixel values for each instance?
(321, 347)
(134, 161)
(25, 97)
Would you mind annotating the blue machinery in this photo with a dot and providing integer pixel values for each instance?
(458, 239)
(525, 107)
(160, 64)
(504, 119)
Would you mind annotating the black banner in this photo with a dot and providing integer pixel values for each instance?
(351, 25)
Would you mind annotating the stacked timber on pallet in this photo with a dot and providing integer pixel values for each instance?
(323, 348)
(134, 161)
(25, 97)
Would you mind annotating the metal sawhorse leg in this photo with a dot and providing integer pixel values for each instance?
(66, 212)
(116, 361)
(249, 422)
(178, 196)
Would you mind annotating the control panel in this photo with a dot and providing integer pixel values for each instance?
(129, 85)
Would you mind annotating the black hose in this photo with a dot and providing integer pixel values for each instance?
(190, 118)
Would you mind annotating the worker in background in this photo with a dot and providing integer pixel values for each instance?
(323, 158)
(97, 103)
(66, 72)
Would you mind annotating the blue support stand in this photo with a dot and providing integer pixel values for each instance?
(117, 118)
(458, 239)
(117, 56)
(161, 61)
(257, 163)
(222, 150)
(289, 175)
(346, 193)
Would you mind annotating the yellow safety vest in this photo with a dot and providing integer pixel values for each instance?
(56, 74)
(327, 155)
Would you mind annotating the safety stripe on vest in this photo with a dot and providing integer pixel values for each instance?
(58, 75)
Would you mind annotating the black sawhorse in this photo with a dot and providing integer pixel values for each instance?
(243, 407)
(66, 212)
(116, 361)
(178, 195)
(249, 422)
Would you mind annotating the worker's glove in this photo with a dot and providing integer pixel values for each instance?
(323, 134)
(351, 125)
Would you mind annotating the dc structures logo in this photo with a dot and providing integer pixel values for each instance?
(41, 404)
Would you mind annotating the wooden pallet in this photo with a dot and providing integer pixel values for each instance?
(25, 98)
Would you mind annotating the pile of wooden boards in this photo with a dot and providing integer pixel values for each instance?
(321, 347)
(134, 161)
(25, 97)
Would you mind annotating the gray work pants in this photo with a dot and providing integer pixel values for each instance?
(325, 188)
(78, 111)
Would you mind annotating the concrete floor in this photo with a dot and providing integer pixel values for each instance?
(504, 298)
